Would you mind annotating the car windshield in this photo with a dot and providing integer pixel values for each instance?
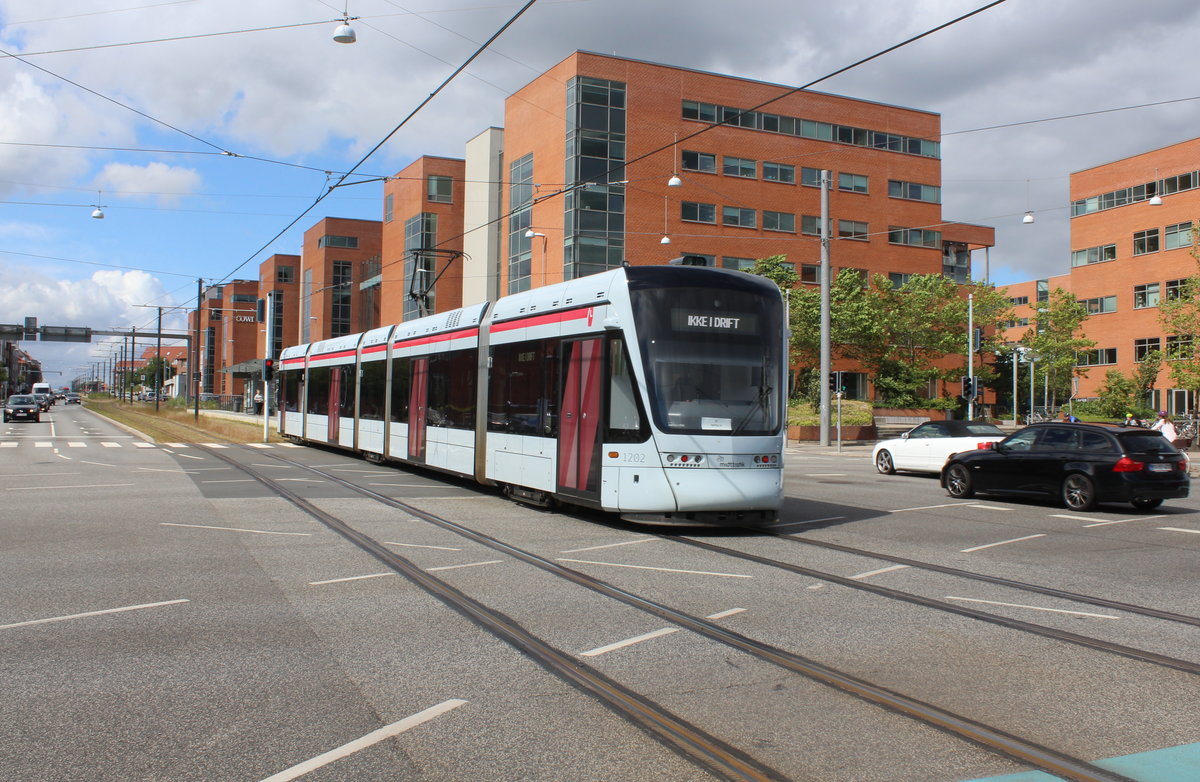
(984, 430)
(21, 400)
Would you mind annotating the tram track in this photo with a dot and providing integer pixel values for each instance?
(682, 737)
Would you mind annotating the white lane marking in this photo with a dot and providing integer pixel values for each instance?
(1072, 517)
(417, 545)
(651, 635)
(76, 444)
(661, 569)
(290, 445)
(61, 456)
(36, 474)
(97, 464)
(218, 446)
(276, 466)
(1001, 543)
(374, 737)
(188, 456)
(233, 480)
(931, 507)
(257, 445)
(870, 573)
(469, 564)
(233, 529)
(349, 578)
(110, 445)
(1180, 529)
(805, 521)
(178, 470)
(608, 545)
(177, 445)
(1032, 608)
(9, 444)
(981, 506)
(91, 613)
(311, 480)
(77, 486)
(628, 642)
(1123, 521)
(140, 444)
(42, 444)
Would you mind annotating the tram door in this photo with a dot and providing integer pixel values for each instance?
(579, 417)
(335, 394)
(418, 397)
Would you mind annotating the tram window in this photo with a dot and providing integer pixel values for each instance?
(371, 391)
(452, 389)
(346, 386)
(401, 372)
(318, 391)
(626, 424)
(523, 392)
(290, 390)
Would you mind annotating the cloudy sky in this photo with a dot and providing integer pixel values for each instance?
(129, 104)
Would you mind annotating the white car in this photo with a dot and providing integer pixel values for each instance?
(927, 446)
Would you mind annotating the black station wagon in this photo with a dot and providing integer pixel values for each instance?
(1081, 464)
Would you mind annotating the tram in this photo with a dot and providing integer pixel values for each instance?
(654, 392)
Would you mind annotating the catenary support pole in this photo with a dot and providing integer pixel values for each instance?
(826, 362)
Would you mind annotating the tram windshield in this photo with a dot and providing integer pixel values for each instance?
(712, 359)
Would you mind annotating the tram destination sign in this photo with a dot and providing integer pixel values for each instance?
(720, 322)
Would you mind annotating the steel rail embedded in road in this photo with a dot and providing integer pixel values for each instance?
(677, 734)
(992, 739)
(1156, 613)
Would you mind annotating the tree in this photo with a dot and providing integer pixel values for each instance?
(1057, 338)
(1179, 316)
(1118, 394)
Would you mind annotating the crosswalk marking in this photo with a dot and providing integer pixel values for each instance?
(111, 445)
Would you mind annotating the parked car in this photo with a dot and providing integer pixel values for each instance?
(926, 447)
(22, 407)
(73, 399)
(1081, 464)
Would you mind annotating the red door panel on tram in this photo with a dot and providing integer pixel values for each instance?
(418, 396)
(579, 427)
(335, 394)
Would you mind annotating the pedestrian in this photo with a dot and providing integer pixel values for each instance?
(1067, 418)
(258, 402)
(1165, 426)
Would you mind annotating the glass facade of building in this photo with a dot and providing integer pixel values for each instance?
(594, 218)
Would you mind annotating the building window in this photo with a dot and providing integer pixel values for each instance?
(1145, 296)
(1043, 290)
(306, 316)
(911, 191)
(1174, 289)
(339, 320)
(898, 279)
(737, 216)
(420, 233)
(1107, 252)
(285, 274)
(692, 212)
(1136, 193)
(779, 221)
(740, 264)
(1094, 358)
(1019, 322)
(709, 260)
(276, 310)
(1179, 348)
(810, 177)
(1177, 236)
(1019, 300)
(914, 237)
(810, 225)
(852, 183)
(810, 272)
(863, 275)
(699, 161)
(345, 242)
(779, 172)
(1100, 305)
(1143, 346)
(440, 189)
(852, 229)
(595, 154)
(805, 128)
(1145, 242)
(740, 167)
(520, 201)
(389, 203)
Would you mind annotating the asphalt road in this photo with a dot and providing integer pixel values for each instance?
(165, 616)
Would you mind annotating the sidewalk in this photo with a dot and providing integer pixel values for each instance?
(243, 417)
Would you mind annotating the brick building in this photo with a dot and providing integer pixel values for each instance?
(279, 283)
(1131, 247)
(338, 255)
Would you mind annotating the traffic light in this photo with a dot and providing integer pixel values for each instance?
(268, 368)
(968, 387)
(835, 382)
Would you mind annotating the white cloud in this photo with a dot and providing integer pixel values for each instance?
(168, 184)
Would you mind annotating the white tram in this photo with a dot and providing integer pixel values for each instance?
(654, 392)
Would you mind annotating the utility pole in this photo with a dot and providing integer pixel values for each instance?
(971, 354)
(158, 378)
(825, 320)
(194, 380)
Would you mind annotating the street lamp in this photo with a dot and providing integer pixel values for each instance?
(529, 234)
